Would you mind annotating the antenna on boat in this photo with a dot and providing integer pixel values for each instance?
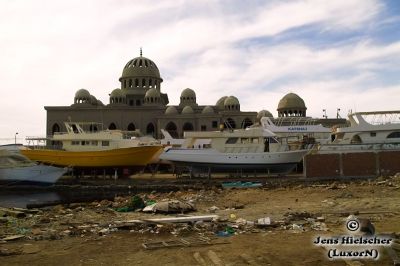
(324, 115)
(337, 113)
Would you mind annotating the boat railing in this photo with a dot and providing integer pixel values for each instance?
(295, 121)
(378, 118)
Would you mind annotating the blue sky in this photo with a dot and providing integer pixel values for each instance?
(334, 54)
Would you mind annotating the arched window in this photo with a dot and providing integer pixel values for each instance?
(188, 127)
(150, 130)
(230, 123)
(143, 83)
(130, 83)
(246, 123)
(112, 126)
(172, 129)
(131, 127)
(356, 140)
(394, 135)
(55, 128)
(136, 82)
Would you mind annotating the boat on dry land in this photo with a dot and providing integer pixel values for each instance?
(368, 131)
(84, 146)
(254, 148)
(14, 167)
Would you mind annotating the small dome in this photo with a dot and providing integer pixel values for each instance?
(232, 104)
(207, 110)
(187, 110)
(231, 100)
(171, 110)
(117, 96)
(82, 93)
(152, 93)
(188, 93)
(291, 100)
(140, 67)
(264, 113)
(188, 97)
(152, 96)
(117, 93)
(220, 102)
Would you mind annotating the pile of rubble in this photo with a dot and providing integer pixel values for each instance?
(104, 217)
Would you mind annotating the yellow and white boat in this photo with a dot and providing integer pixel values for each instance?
(79, 147)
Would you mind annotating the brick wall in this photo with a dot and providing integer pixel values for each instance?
(362, 164)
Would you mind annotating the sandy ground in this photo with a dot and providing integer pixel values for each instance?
(71, 235)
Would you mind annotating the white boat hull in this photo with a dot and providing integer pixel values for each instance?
(35, 173)
(276, 162)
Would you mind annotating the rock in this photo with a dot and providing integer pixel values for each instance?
(213, 209)
(241, 221)
(74, 205)
(297, 227)
(12, 212)
(36, 231)
(234, 205)
(51, 234)
(44, 220)
(66, 232)
(104, 231)
(333, 186)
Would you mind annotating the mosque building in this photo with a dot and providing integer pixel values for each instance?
(140, 104)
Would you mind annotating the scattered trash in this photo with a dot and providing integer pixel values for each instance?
(228, 231)
(13, 237)
(171, 206)
(241, 184)
(264, 221)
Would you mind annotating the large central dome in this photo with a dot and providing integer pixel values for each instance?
(140, 67)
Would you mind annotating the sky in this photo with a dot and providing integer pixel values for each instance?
(334, 54)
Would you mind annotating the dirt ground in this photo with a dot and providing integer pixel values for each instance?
(78, 234)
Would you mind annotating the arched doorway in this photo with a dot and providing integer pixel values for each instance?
(150, 130)
(230, 123)
(188, 127)
(55, 128)
(356, 140)
(246, 123)
(93, 128)
(172, 129)
(131, 127)
(112, 126)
